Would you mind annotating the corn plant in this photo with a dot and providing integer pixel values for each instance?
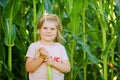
(112, 18)
(90, 29)
(10, 31)
(104, 28)
(84, 36)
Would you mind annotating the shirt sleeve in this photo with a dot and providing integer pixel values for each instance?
(31, 51)
(63, 53)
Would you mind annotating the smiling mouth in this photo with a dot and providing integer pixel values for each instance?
(48, 35)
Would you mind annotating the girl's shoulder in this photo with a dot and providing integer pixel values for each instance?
(59, 44)
(33, 44)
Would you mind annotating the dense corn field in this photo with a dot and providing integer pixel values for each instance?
(91, 29)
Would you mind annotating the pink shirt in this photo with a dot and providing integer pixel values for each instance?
(56, 51)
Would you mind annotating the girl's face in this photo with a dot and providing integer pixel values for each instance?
(48, 32)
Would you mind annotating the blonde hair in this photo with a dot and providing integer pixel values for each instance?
(54, 18)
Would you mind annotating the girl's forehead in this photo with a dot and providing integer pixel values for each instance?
(50, 23)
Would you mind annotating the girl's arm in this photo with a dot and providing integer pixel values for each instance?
(32, 64)
(63, 66)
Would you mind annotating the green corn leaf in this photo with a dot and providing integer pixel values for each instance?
(10, 75)
(48, 6)
(113, 42)
(13, 35)
(86, 48)
(6, 33)
(40, 11)
(3, 3)
(93, 32)
(108, 46)
(1, 61)
(2, 50)
(12, 8)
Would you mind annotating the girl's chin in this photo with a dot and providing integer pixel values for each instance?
(48, 40)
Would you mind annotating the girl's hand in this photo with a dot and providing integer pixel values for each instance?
(43, 52)
(49, 61)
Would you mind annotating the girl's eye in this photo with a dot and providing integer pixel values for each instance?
(48, 28)
(52, 28)
(44, 27)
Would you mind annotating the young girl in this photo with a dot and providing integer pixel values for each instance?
(47, 51)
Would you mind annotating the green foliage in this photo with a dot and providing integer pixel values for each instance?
(90, 28)
(13, 35)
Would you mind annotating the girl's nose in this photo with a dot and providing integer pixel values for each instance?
(48, 30)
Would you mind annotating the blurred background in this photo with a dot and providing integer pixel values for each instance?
(91, 29)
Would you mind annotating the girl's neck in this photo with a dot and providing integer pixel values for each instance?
(46, 43)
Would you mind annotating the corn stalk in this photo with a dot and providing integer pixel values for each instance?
(34, 20)
(103, 30)
(112, 18)
(84, 36)
(105, 45)
(74, 28)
